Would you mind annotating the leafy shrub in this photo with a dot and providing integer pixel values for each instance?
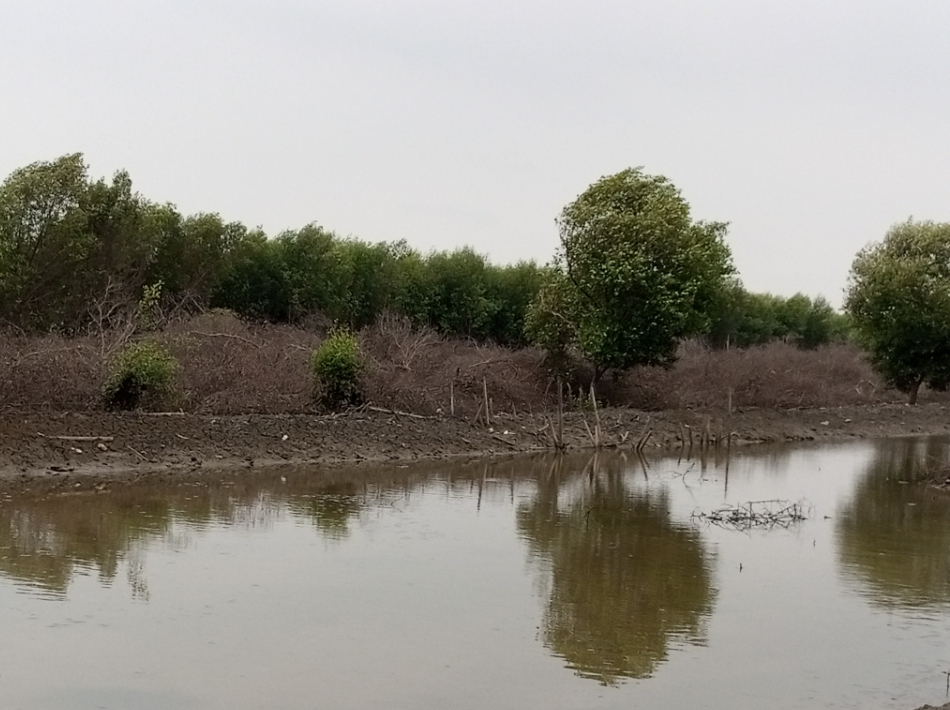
(337, 368)
(139, 371)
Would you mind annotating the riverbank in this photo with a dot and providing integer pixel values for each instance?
(93, 446)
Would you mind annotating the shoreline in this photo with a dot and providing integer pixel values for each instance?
(71, 447)
(86, 453)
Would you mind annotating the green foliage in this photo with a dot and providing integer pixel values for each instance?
(254, 282)
(457, 301)
(510, 291)
(148, 305)
(310, 271)
(822, 325)
(141, 371)
(742, 319)
(549, 320)
(73, 249)
(365, 282)
(44, 239)
(337, 367)
(898, 298)
(635, 274)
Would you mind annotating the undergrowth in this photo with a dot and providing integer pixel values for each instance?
(337, 368)
(226, 365)
(140, 372)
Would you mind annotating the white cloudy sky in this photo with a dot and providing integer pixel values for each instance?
(811, 126)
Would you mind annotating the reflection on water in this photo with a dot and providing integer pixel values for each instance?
(332, 507)
(43, 541)
(894, 533)
(280, 588)
(624, 579)
(46, 539)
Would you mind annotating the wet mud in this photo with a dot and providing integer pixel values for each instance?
(99, 447)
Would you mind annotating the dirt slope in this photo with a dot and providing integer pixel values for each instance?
(71, 446)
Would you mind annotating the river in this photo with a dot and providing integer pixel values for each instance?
(580, 582)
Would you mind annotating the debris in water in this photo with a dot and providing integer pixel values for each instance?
(755, 514)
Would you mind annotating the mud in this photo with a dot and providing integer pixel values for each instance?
(83, 449)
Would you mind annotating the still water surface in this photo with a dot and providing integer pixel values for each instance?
(526, 583)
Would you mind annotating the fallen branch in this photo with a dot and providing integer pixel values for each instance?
(76, 438)
(502, 439)
(489, 361)
(225, 335)
(137, 453)
(398, 413)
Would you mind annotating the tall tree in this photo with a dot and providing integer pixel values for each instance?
(898, 297)
(635, 274)
(44, 237)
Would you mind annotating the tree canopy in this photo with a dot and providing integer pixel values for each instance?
(635, 274)
(75, 253)
(740, 318)
(898, 297)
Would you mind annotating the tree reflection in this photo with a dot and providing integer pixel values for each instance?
(44, 540)
(331, 508)
(625, 580)
(46, 536)
(894, 535)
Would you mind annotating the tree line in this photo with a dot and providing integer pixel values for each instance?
(76, 253)
(742, 319)
(75, 250)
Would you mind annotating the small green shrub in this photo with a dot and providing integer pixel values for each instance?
(139, 371)
(337, 368)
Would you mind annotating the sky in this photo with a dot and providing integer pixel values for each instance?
(810, 126)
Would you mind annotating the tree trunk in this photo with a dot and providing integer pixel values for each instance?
(914, 389)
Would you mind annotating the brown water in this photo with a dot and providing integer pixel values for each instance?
(520, 584)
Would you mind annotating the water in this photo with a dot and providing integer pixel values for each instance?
(527, 583)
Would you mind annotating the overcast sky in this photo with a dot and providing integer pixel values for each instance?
(810, 126)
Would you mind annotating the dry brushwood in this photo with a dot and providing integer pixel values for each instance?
(755, 514)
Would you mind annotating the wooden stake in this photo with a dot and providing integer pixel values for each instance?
(728, 459)
(560, 413)
(597, 430)
(478, 413)
(487, 408)
(643, 465)
(590, 433)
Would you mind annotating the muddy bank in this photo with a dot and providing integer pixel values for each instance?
(71, 447)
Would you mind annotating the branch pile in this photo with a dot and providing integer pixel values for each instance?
(755, 514)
